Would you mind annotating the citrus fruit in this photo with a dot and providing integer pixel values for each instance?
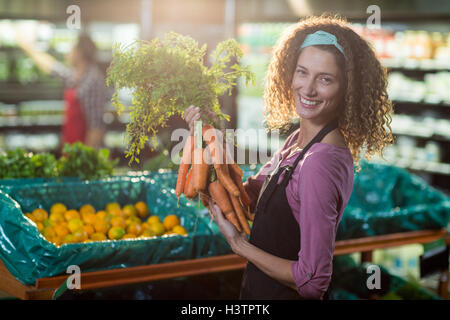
(46, 223)
(89, 218)
(40, 214)
(89, 229)
(116, 233)
(58, 208)
(58, 240)
(179, 230)
(56, 217)
(112, 205)
(40, 226)
(49, 233)
(69, 239)
(132, 220)
(97, 236)
(61, 231)
(101, 226)
(80, 235)
(86, 208)
(116, 212)
(74, 224)
(146, 226)
(153, 219)
(158, 228)
(31, 217)
(135, 229)
(101, 214)
(71, 214)
(142, 209)
(118, 222)
(147, 233)
(171, 221)
(129, 236)
(129, 210)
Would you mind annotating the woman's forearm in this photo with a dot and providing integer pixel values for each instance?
(275, 267)
(44, 61)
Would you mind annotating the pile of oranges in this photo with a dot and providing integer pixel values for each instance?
(62, 225)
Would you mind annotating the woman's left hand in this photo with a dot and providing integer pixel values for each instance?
(233, 237)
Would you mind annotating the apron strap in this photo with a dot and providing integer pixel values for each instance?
(272, 179)
(319, 136)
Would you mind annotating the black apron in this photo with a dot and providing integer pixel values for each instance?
(276, 231)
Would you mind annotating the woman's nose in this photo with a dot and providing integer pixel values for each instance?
(309, 88)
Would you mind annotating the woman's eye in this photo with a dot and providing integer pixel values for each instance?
(326, 80)
(300, 71)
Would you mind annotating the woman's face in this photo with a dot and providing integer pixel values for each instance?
(73, 57)
(318, 85)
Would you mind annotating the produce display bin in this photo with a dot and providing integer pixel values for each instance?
(29, 256)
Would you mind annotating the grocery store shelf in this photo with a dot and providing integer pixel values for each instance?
(422, 134)
(425, 65)
(421, 103)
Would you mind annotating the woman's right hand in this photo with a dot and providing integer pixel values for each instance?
(191, 114)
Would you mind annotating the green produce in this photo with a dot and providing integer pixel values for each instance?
(168, 75)
(20, 164)
(85, 162)
(78, 161)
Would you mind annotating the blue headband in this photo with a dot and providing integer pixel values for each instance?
(321, 38)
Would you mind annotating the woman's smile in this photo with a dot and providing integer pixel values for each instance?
(309, 103)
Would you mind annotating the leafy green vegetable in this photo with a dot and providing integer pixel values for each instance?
(85, 162)
(79, 161)
(166, 76)
(20, 164)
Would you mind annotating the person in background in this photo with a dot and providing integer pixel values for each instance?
(85, 93)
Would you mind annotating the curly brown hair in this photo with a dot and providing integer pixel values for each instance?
(366, 111)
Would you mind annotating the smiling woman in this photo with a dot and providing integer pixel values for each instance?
(363, 109)
(325, 74)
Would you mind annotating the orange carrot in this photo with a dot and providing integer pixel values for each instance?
(224, 177)
(238, 181)
(189, 190)
(184, 165)
(220, 196)
(233, 165)
(240, 214)
(209, 136)
(204, 199)
(200, 169)
(218, 156)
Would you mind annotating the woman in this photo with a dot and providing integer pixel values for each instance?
(328, 76)
(85, 95)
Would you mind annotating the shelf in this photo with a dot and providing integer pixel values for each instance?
(425, 65)
(421, 103)
(422, 135)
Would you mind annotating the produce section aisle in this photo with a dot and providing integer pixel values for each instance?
(45, 287)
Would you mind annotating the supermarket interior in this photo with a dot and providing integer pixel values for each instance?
(399, 213)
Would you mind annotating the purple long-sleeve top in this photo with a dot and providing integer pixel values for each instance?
(318, 193)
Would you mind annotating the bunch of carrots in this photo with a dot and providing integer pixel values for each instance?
(210, 172)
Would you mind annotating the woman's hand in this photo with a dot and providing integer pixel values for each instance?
(233, 237)
(193, 113)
